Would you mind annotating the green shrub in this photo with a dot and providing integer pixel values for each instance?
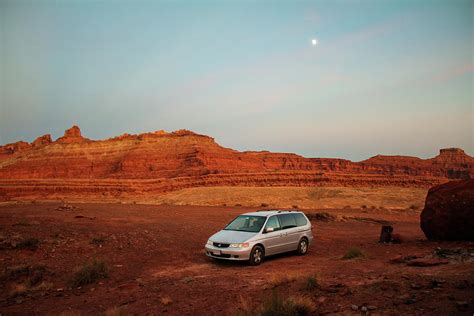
(312, 282)
(90, 272)
(353, 253)
(279, 306)
(28, 243)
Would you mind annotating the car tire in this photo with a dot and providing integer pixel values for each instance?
(303, 247)
(256, 256)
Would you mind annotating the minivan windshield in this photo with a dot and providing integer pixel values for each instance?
(247, 223)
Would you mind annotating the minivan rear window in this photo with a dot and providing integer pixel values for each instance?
(287, 221)
(300, 219)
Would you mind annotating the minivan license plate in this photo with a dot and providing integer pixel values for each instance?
(216, 252)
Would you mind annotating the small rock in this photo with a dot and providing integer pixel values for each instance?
(415, 286)
(371, 307)
(363, 309)
(354, 307)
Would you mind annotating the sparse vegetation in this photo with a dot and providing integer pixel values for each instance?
(98, 240)
(90, 272)
(28, 243)
(264, 205)
(353, 253)
(276, 305)
(27, 279)
(280, 279)
(187, 279)
(321, 216)
(312, 282)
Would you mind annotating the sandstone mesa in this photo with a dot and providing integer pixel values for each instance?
(157, 162)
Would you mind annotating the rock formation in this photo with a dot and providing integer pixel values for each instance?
(184, 159)
(449, 211)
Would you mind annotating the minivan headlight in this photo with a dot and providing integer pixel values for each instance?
(209, 242)
(239, 245)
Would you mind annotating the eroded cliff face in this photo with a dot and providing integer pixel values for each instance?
(199, 161)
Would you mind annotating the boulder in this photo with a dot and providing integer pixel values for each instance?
(449, 211)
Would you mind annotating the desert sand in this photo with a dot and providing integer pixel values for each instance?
(156, 264)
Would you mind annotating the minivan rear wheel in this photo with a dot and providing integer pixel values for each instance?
(303, 247)
(256, 256)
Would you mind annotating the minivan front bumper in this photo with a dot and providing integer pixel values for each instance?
(228, 253)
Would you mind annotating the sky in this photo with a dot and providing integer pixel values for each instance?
(386, 77)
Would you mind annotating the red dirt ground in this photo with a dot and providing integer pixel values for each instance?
(155, 253)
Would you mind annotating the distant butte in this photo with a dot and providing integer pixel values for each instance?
(183, 159)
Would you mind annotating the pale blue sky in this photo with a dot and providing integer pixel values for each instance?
(389, 77)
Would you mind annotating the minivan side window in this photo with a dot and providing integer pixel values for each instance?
(287, 221)
(273, 223)
(300, 219)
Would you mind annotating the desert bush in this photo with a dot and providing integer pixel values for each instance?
(24, 289)
(276, 305)
(98, 240)
(28, 243)
(295, 206)
(312, 282)
(264, 205)
(363, 207)
(280, 279)
(353, 253)
(90, 272)
(321, 216)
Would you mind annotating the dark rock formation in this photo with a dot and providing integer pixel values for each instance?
(449, 211)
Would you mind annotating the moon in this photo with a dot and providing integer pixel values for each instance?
(314, 42)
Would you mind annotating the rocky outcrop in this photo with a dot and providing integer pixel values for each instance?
(72, 135)
(200, 161)
(42, 140)
(449, 211)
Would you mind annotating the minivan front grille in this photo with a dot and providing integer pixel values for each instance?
(220, 245)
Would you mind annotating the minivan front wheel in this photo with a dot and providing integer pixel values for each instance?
(256, 256)
(303, 247)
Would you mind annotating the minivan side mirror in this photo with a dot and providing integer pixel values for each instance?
(269, 229)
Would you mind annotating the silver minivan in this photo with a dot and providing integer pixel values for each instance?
(252, 236)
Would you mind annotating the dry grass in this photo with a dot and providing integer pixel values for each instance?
(277, 305)
(24, 289)
(90, 272)
(281, 279)
(303, 197)
(353, 253)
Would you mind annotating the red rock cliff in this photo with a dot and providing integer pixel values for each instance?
(181, 154)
